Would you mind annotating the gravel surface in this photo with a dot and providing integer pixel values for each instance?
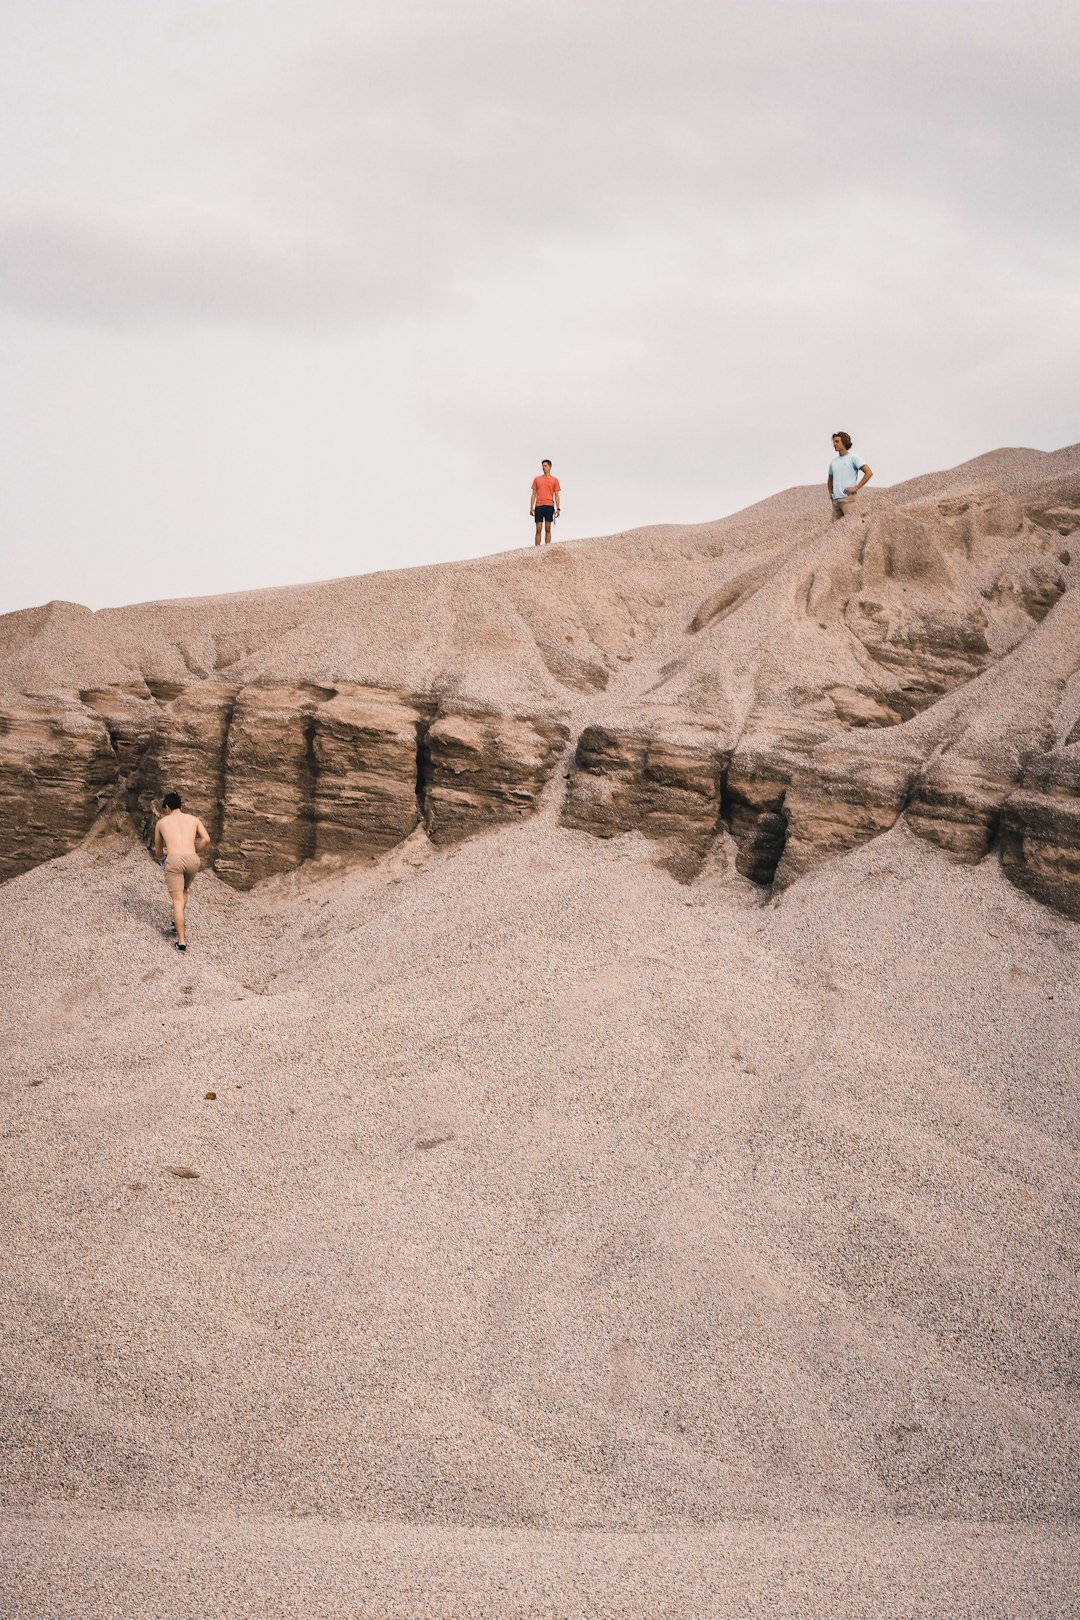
(533, 1190)
(102, 1566)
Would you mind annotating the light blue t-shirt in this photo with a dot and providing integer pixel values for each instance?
(844, 471)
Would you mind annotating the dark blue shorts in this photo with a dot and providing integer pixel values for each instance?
(544, 514)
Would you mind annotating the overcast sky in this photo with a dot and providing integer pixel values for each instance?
(291, 289)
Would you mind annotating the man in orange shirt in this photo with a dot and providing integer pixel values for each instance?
(544, 501)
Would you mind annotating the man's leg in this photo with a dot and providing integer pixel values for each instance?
(838, 509)
(174, 882)
(189, 885)
(547, 531)
(539, 527)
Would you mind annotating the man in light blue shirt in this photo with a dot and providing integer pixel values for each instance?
(844, 469)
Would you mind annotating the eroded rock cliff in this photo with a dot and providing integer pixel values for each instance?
(1040, 830)
(279, 773)
(56, 768)
(914, 661)
(795, 683)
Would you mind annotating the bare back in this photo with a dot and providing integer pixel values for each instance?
(179, 833)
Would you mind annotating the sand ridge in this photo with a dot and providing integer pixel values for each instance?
(546, 1208)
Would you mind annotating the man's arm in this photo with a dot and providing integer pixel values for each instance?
(532, 497)
(159, 843)
(867, 474)
(202, 837)
(557, 493)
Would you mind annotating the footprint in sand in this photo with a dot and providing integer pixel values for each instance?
(433, 1139)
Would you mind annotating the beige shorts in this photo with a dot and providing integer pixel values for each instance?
(180, 872)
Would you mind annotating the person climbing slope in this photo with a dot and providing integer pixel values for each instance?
(178, 837)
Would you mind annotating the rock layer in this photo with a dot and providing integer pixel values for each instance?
(783, 812)
(483, 769)
(186, 753)
(279, 773)
(57, 767)
(268, 814)
(794, 682)
(664, 784)
(366, 750)
(1040, 830)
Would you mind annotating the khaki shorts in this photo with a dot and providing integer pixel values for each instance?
(180, 872)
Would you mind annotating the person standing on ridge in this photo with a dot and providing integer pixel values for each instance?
(177, 838)
(844, 468)
(544, 501)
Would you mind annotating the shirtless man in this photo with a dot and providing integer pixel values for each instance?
(544, 501)
(177, 837)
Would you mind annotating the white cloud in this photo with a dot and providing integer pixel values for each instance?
(664, 242)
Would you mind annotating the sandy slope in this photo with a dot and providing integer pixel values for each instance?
(554, 1237)
(100, 1566)
(539, 1190)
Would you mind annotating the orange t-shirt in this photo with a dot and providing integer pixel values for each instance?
(544, 489)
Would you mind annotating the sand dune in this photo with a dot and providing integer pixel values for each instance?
(569, 1224)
